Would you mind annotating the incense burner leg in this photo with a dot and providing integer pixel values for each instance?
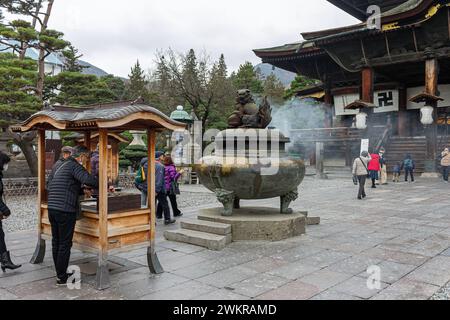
(39, 252)
(286, 201)
(102, 276)
(237, 203)
(227, 199)
(153, 262)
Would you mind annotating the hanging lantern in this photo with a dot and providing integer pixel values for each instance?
(361, 121)
(426, 115)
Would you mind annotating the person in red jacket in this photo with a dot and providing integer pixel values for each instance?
(374, 167)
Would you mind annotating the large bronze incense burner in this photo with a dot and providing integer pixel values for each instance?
(250, 161)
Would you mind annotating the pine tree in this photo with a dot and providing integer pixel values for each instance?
(300, 82)
(273, 88)
(77, 89)
(16, 76)
(137, 86)
(117, 87)
(247, 78)
(224, 94)
(19, 36)
(71, 58)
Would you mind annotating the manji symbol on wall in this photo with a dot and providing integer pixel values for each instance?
(386, 99)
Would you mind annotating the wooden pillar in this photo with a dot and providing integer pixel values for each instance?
(328, 100)
(431, 87)
(151, 138)
(87, 144)
(403, 127)
(102, 268)
(152, 259)
(39, 254)
(367, 85)
(431, 76)
(348, 154)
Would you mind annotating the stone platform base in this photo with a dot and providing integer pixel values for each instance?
(260, 223)
(430, 175)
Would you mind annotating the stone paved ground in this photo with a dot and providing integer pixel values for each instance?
(403, 228)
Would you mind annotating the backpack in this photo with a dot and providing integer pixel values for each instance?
(140, 176)
(408, 163)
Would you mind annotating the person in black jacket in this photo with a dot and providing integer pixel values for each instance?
(65, 185)
(5, 257)
(409, 165)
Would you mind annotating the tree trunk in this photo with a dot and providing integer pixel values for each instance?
(42, 53)
(25, 143)
(24, 48)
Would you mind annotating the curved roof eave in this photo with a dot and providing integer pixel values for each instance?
(109, 117)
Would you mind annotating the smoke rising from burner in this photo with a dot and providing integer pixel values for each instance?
(297, 114)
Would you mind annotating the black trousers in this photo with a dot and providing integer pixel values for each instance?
(2, 240)
(63, 227)
(174, 204)
(445, 172)
(362, 184)
(163, 207)
(409, 172)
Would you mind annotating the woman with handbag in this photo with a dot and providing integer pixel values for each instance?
(361, 172)
(172, 187)
(5, 257)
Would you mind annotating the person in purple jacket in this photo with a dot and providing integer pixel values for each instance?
(171, 175)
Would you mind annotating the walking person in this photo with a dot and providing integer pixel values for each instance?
(361, 172)
(445, 163)
(171, 180)
(409, 166)
(64, 188)
(383, 167)
(161, 192)
(374, 167)
(141, 181)
(397, 171)
(5, 212)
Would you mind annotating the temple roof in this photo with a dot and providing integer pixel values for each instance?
(358, 8)
(420, 10)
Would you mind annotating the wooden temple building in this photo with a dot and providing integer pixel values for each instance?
(397, 73)
(113, 222)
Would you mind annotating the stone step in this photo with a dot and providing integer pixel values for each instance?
(202, 239)
(220, 229)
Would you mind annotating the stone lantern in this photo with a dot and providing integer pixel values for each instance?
(181, 115)
(361, 120)
(426, 115)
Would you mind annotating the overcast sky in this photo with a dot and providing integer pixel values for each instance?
(113, 37)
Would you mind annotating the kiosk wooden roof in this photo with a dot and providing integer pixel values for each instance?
(102, 231)
(120, 116)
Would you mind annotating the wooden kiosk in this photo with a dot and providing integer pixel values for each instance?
(102, 231)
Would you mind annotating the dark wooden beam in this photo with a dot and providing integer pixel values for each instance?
(367, 85)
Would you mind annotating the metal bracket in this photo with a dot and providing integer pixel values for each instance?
(39, 252)
(153, 262)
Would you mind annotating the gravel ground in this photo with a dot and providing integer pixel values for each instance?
(24, 216)
(443, 293)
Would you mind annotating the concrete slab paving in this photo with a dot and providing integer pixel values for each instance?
(403, 229)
